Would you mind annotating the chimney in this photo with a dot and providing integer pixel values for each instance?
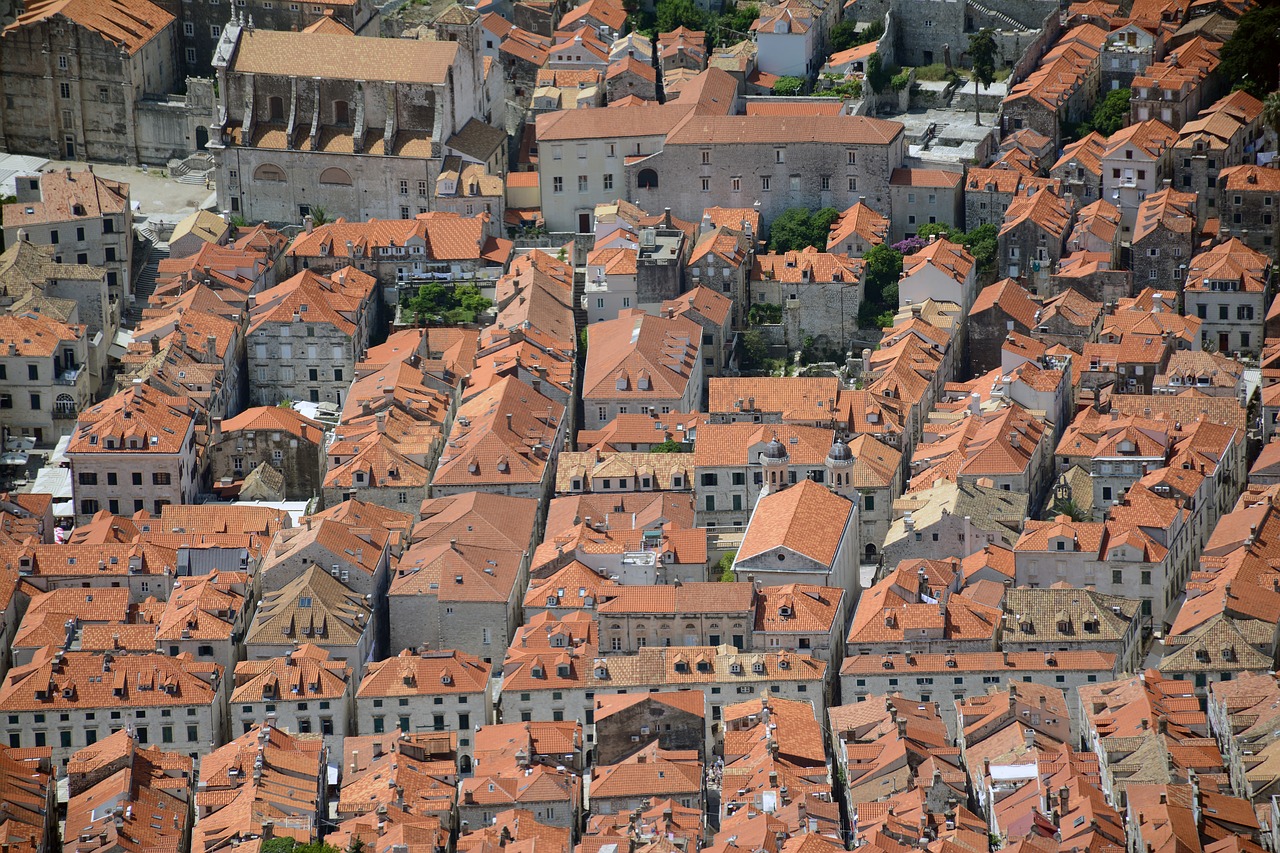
(381, 419)
(211, 349)
(310, 223)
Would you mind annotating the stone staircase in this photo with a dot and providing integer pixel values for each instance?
(1010, 22)
(196, 169)
(145, 284)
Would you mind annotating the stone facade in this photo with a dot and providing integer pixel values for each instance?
(1248, 198)
(284, 142)
(86, 219)
(619, 734)
(46, 382)
(152, 466)
(201, 24)
(234, 453)
(826, 161)
(72, 92)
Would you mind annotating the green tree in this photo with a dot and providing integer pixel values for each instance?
(764, 314)
(755, 349)
(982, 53)
(668, 446)
(436, 303)
(820, 230)
(673, 14)
(949, 232)
(843, 36)
(878, 77)
(319, 216)
(1109, 114)
(788, 86)
(880, 285)
(981, 242)
(1249, 56)
(726, 566)
(798, 227)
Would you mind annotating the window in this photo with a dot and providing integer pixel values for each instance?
(608, 181)
(162, 479)
(710, 503)
(826, 182)
(1117, 577)
(404, 187)
(188, 29)
(35, 402)
(557, 184)
(706, 185)
(64, 89)
(87, 479)
(764, 183)
(582, 183)
(735, 184)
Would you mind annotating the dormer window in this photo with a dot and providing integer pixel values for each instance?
(562, 670)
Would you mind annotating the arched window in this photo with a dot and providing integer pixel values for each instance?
(647, 179)
(270, 172)
(275, 108)
(336, 176)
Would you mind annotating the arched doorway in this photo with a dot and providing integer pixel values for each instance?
(647, 179)
(202, 138)
(871, 553)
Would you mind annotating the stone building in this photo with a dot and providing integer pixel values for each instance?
(1128, 51)
(951, 519)
(422, 690)
(201, 25)
(924, 197)
(330, 318)
(1000, 308)
(989, 192)
(44, 371)
(74, 74)
(87, 220)
(1175, 89)
(1135, 162)
(1164, 238)
(627, 723)
(1226, 134)
(1033, 237)
(304, 691)
(1226, 288)
(134, 451)
(779, 162)
(819, 292)
(1063, 87)
(63, 701)
(431, 244)
(730, 468)
(356, 126)
(582, 152)
(680, 614)
(642, 361)
(282, 438)
(1248, 196)
(779, 547)
(1080, 168)
(712, 311)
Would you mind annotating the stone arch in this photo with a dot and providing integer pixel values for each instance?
(334, 175)
(647, 180)
(270, 172)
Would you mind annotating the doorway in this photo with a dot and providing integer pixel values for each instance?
(584, 223)
(202, 138)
